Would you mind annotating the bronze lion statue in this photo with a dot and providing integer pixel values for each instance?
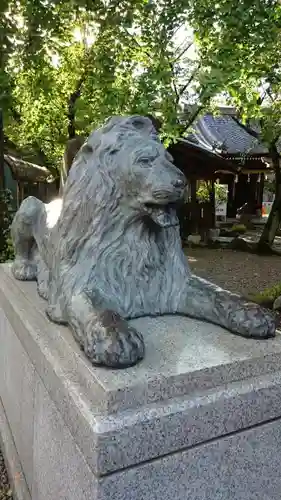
(113, 250)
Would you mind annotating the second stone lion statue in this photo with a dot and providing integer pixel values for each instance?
(113, 252)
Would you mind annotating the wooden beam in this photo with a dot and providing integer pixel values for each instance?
(254, 172)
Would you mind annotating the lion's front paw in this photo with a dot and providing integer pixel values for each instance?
(251, 320)
(110, 341)
(24, 270)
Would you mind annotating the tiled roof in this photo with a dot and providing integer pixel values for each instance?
(223, 134)
(193, 141)
(195, 159)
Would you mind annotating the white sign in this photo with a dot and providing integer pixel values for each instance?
(221, 209)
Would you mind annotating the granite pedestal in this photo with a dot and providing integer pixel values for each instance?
(199, 418)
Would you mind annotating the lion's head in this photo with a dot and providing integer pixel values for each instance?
(126, 161)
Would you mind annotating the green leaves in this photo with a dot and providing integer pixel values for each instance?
(70, 64)
(239, 45)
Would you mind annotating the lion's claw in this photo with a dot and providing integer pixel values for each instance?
(252, 320)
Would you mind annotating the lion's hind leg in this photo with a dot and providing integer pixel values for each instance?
(22, 231)
(105, 337)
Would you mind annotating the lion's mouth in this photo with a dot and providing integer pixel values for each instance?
(163, 215)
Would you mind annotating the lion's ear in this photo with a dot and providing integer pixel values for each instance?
(87, 148)
(140, 122)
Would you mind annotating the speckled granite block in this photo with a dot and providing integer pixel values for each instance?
(60, 470)
(135, 428)
(15, 470)
(245, 466)
(17, 393)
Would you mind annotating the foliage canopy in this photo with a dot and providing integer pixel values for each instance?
(67, 65)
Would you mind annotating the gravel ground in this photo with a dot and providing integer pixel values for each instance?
(5, 491)
(237, 271)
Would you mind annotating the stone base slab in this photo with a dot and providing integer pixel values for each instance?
(15, 472)
(199, 418)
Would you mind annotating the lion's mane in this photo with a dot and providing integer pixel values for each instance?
(108, 252)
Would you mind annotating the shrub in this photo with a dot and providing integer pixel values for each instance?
(6, 217)
(267, 297)
(239, 228)
(204, 191)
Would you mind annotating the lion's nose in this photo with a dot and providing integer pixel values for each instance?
(179, 183)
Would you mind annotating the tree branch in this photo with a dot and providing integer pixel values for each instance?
(178, 95)
(184, 87)
(192, 117)
(182, 52)
(179, 92)
(269, 94)
(176, 30)
(248, 129)
(74, 96)
(71, 106)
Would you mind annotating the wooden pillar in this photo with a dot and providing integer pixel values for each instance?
(213, 203)
(253, 194)
(193, 205)
(193, 190)
(230, 196)
(260, 190)
(41, 191)
(44, 188)
(21, 191)
(18, 195)
(241, 191)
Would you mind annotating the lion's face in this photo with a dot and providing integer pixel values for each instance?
(151, 185)
(126, 166)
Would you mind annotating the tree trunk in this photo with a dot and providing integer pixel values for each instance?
(274, 219)
(71, 149)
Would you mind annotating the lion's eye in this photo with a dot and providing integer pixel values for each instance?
(146, 161)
